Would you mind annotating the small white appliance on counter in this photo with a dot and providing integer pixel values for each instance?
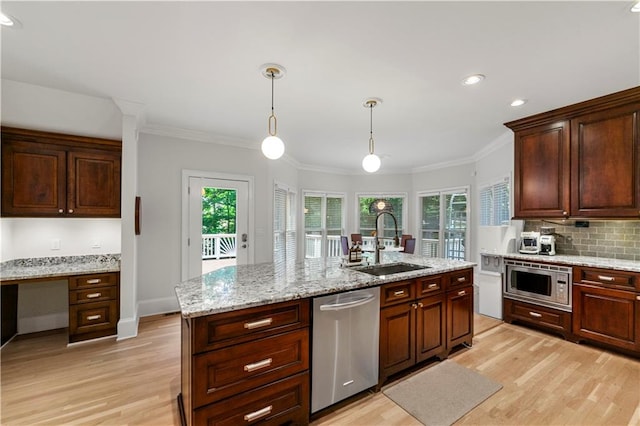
(529, 242)
(548, 245)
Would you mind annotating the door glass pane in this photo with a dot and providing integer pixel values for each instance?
(455, 225)
(218, 228)
(430, 232)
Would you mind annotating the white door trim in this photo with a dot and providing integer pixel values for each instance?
(184, 247)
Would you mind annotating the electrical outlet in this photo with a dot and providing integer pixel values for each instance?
(55, 244)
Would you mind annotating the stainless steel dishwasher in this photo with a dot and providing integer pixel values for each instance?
(346, 327)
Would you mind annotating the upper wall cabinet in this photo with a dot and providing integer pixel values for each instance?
(580, 161)
(52, 175)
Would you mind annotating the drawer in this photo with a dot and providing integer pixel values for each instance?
(607, 278)
(429, 285)
(547, 317)
(220, 330)
(401, 291)
(283, 402)
(222, 373)
(93, 295)
(90, 317)
(460, 278)
(93, 280)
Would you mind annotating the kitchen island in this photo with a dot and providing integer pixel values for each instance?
(246, 330)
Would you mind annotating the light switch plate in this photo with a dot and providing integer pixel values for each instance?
(55, 244)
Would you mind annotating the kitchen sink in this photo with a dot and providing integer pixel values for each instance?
(393, 268)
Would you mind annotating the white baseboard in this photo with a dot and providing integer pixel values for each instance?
(158, 306)
(43, 322)
(127, 328)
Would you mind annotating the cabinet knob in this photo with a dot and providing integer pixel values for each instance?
(414, 306)
(70, 210)
(420, 305)
(61, 211)
(565, 214)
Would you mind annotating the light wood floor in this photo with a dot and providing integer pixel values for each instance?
(547, 381)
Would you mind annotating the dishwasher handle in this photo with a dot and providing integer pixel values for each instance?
(348, 305)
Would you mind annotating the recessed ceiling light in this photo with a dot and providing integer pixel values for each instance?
(473, 79)
(8, 21)
(636, 7)
(518, 102)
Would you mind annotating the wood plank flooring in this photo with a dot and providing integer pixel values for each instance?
(547, 381)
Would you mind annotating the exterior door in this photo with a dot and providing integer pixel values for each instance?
(229, 243)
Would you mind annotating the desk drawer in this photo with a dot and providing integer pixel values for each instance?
(429, 285)
(93, 295)
(282, 402)
(93, 280)
(93, 317)
(222, 373)
(394, 293)
(228, 328)
(460, 278)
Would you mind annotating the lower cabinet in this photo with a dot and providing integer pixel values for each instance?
(606, 307)
(247, 366)
(423, 318)
(548, 319)
(94, 306)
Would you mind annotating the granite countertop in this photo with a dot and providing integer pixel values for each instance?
(244, 286)
(573, 260)
(60, 266)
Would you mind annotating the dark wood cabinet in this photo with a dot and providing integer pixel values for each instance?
(579, 161)
(606, 307)
(424, 318)
(247, 366)
(94, 306)
(605, 164)
(47, 174)
(541, 171)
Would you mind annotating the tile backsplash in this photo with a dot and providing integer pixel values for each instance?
(616, 239)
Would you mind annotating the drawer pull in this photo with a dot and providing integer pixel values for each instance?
(258, 365)
(462, 293)
(462, 279)
(637, 297)
(257, 324)
(93, 317)
(433, 285)
(605, 278)
(94, 281)
(93, 295)
(398, 293)
(535, 314)
(257, 414)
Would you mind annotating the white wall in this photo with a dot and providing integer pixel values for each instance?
(161, 161)
(41, 108)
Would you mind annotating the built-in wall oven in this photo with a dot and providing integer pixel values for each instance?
(538, 283)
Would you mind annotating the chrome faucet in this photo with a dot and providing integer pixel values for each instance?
(396, 241)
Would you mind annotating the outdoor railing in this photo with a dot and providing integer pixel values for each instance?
(218, 246)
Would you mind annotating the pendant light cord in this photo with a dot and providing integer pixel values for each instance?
(272, 117)
(371, 128)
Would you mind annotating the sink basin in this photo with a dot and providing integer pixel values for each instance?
(393, 268)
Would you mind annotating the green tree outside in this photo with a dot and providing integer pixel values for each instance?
(218, 211)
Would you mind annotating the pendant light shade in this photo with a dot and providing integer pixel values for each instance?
(272, 145)
(371, 162)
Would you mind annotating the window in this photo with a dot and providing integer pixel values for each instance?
(443, 226)
(284, 224)
(495, 207)
(386, 226)
(323, 224)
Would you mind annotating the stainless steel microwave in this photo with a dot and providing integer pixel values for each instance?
(538, 283)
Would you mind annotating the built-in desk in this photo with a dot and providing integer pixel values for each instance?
(94, 292)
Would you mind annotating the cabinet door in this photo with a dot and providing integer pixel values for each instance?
(430, 327)
(33, 179)
(541, 171)
(607, 315)
(397, 339)
(94, 184)
(605, 167)
(459, 316)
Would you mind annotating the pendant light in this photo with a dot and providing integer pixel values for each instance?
(272, 145)
(371, 162)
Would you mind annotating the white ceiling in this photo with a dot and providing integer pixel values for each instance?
(196, 66)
